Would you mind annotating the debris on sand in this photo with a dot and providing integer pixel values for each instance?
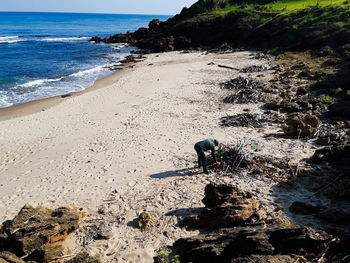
(254, 68)
(250, 120)
(237, 157)
(244, 90)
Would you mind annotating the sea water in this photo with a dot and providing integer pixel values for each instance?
(48, 54)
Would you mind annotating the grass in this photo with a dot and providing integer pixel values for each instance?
(283, 6)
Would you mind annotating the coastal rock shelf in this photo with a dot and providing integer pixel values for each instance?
(38, 234)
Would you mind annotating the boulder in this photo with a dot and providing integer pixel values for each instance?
(38, 233)
(226, 206)
(296, 126)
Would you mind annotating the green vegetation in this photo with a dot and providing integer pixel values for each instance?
(163, 257)
(325, 99)
(223, 7)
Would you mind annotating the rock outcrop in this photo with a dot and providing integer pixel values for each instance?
(274, 243)
(226, 206)
(37, 234)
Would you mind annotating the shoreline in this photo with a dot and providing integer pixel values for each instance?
(35, 106)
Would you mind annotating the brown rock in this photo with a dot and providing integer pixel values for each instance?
(312, 120)
(146, 220)
(291, 106)
(226, 206)
(296, 127)
(273, 103)
(38, 233)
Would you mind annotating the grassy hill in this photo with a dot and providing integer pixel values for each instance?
(224, 7)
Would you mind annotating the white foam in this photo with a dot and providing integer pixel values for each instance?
(86, 72)
(37, 82)
(10, 39)
(4, 103)
(63, 39)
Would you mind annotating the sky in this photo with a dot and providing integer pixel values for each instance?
(153, 7)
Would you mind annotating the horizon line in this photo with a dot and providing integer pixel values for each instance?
(66, 12)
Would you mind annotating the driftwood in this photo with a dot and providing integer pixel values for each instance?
(228, 67)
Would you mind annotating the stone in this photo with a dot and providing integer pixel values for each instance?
(273, 103)
(146, 220)
(226, 206)
(37, 233)
(296, 127)
(312, 120)
(290, 106)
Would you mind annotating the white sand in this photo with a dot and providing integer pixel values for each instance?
(134, 137)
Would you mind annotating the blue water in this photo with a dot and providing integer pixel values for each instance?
(48, 54)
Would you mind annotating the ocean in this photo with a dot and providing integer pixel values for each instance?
(48, 54)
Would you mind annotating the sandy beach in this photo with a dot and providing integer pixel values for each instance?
(127, 147)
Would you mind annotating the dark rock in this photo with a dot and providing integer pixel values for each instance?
(270, 244)
(154, 24)
(336, 156)
(38, 233)
(340, 111)
(303, 208)
(335, 215)
(226, 206)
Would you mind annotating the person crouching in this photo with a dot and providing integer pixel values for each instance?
(203, 146)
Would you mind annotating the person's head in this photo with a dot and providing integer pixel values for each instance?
(216, 142)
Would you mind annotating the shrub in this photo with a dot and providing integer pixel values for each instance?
(325, 99)
(162, 256)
